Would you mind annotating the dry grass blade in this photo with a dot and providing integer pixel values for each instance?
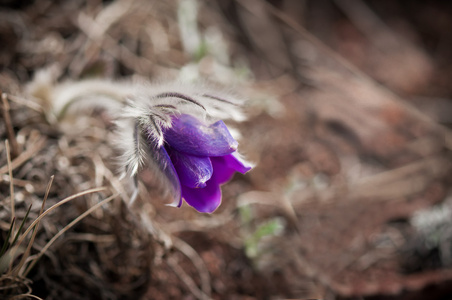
(25, 296)
(197, 261)
(65, 200)
(284, 18)
(90, 27)
(307, 35)
(4, 286)
(393, 184)
(9, 126)
(27, 103)
(186, 279)
(11, 184)
(9, 283)
(26, 155)
(35, 230)
(66, 228)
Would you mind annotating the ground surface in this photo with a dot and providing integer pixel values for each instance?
(349, 108)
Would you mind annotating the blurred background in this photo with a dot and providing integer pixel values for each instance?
(349, 112)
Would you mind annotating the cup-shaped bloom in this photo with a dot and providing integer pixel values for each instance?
(197, 158)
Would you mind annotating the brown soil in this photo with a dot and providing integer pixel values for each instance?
(349, 113)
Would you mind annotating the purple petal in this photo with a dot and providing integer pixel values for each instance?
(225, 166)
(206, 199)
(189, 135)
(161, 159)
(193, 171)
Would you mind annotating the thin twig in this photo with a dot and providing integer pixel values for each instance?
(91, 28)
(354, 70)
(11, 184)
(28, 103)
(35, 230)
(18, 182)
(66, 228)
(186, 279)
(24, 156)
(307, 35)
(197, 261)
(65, 200)
(9, 126)
(370, 24)
(24, 296)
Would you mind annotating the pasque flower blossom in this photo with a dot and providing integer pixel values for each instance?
(174, 131)
(197, 158)
(180, 137)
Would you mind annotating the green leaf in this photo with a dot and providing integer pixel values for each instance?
(6, 244)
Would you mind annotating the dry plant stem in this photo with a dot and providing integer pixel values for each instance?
(17, 182)
(153, 229)
(65, 200)
(17, 282)
(24, 156)
(11, 184)
(25, 296)
(9, 286)
(12, 283)
(91, 237)
(91, 29)
(9, 126)
(35, 230)
(200, 224)
(104, 19)
(27, 103)
(197, 261)
(353, 69)
(186, 279)
(307, 35)
(66, 228)
(309, 269)
(115, 183)
(369, 23)
(394, 184)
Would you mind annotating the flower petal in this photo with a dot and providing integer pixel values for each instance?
(159, 157)
(206, 199)
(225, 166)
(193, 171)
(189, 135)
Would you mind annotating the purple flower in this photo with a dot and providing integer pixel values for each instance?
(196, 159)
(162, 136)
